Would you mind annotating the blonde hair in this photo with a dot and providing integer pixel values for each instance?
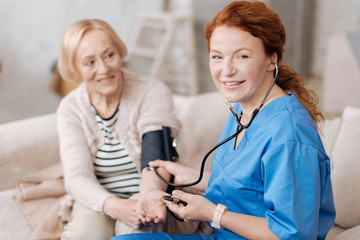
(70, 44)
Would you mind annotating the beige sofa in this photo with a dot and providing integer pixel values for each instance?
(29, 145)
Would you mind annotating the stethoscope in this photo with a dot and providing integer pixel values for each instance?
(241, 127)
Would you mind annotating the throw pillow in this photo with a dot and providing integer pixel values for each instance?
(346, 168)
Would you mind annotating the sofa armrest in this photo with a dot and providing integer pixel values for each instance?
(26, 146)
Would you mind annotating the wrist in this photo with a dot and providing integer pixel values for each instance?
(218, 214)
(151, 182)
(108, 205)
(113, 204)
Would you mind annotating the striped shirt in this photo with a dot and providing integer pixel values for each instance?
(114, 168)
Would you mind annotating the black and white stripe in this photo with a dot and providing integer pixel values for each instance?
(113, 166)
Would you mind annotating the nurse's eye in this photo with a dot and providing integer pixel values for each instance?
(242, 56)
(216, 57)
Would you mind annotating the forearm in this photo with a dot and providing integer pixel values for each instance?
(201, 186)
(150, 181)
(247, 226)
(110, 206)
(191, 175)
(87, 192)
(80, 180)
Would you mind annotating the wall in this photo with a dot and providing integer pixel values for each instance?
(331, 16)
(203, 13)
(30, 35)
(31, 31)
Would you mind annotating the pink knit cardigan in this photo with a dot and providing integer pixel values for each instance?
(145, 105)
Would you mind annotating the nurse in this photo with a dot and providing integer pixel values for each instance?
(273, 180)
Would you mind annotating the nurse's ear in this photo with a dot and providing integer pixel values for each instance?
(273, 60)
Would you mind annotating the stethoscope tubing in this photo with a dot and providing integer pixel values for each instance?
(202, 163)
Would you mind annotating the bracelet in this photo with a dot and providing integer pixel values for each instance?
(219, 212)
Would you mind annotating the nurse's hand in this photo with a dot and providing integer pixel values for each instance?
(181, 173)
(151, 208)
(198, 208)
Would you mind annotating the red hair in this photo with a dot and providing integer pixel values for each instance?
(260, 21)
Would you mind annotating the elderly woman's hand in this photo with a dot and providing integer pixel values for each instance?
(151, 208)
(123, 210)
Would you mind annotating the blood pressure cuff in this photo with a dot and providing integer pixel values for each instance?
(157, 145)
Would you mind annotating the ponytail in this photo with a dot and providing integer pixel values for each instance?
(289, 80)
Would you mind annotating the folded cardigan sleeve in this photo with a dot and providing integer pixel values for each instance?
(157, 110)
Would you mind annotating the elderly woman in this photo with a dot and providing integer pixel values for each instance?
(110, 127)
(270, 177)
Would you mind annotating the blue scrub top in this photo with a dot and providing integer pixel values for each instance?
(279, 171)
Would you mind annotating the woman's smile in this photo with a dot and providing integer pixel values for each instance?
(106, 80)
(233, 83)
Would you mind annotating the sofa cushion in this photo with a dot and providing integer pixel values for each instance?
(346, 168)
(26, 146)
(329, 133)
(203, 118)
(334, 231)
(352, 233)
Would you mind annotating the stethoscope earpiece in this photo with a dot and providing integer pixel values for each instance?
(276, 71)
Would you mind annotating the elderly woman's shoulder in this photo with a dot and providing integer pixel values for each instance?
(72, 98)
(143, 83)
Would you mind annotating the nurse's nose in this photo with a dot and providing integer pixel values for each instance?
(228, 67)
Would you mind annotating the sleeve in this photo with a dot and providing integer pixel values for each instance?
(158, 124)
(157, 110)
(80, 180)
(292, 189)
